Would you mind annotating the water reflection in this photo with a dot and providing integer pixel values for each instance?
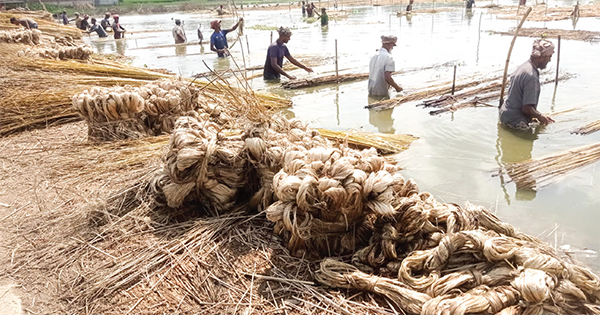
(409, 19)
(121, 45)
(469, 16)
(382, 119)
(574, 20)
(180, 50)
(515, 146)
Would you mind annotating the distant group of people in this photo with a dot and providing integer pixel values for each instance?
(82, 23)
(309, 10)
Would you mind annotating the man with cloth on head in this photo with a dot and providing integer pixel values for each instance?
(118, 30)
(274, 63)
(381, 67)
(218, 40)
(178, 33)
(520, 107)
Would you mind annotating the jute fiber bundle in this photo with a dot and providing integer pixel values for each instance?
(115, 113)
(202, 166)
(265, 146)
(29, 37)
(167, 100)
(327, 197)
(82, 52)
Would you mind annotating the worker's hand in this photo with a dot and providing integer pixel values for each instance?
(544, 120)
(309, 70)
(291, 77)
(241, 19)
(399, 89)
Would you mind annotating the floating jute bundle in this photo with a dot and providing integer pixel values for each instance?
(114, 113)
(265, 145)
(328, 198)
(82, 52)
(29, 37)
(203, 166)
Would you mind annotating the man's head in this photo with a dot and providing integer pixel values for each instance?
(284, 34)
(64, 12)
(323, 11)
(13, 20)
(116, 17)
(216, 25)
(388, 41)
(177, 22)
(76, 14)
(541, 53)
(85, 17)
(107, 15)
(93, 21)
(221, 6)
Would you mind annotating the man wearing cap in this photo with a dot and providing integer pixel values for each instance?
(381, 67)
(178, 33)
(520, 107)
(218, 40)
(77, 19)
(118, 30)
(274, 63)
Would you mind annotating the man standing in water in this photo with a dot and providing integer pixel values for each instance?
(324, 18)
(178, 33)
(381, 67)
(118, 30)
(105, 23)
(274, 63)
(97, 28)
(218, 40)
(520, 107)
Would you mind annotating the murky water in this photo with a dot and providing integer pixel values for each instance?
(457, 153)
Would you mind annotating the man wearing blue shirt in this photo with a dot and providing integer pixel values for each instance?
(218, 40)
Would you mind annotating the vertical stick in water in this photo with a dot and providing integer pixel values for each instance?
(557, 62)
(248, 45)
(336, 62)
(478, 37)
(508, 57)
(271, 38)
(454, 80)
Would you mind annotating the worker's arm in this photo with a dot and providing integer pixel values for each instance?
(389, 80)
(280, 70)
(297, 63)
(530, 111)
(233, 28)
(27, 24)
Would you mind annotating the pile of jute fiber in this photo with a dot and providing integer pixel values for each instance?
(29, 37)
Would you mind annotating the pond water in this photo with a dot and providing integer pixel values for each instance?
(457, 154)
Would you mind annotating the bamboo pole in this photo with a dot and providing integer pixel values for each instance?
(557, 62)
(454, 80)
(271, 38)
(508, 57)
(248, 45)
(336, 62)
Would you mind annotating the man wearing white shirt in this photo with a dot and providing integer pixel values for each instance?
(381, 68)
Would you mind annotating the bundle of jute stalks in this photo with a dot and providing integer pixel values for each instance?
(436, 258)
(115, 113)
(29, 37)
(329, 197)
(82, 52)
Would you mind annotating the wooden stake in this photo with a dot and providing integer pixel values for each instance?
(453, 80)
(557, 62)
(271, 38)
(508, 57)
(336, 62)
(248, 45)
